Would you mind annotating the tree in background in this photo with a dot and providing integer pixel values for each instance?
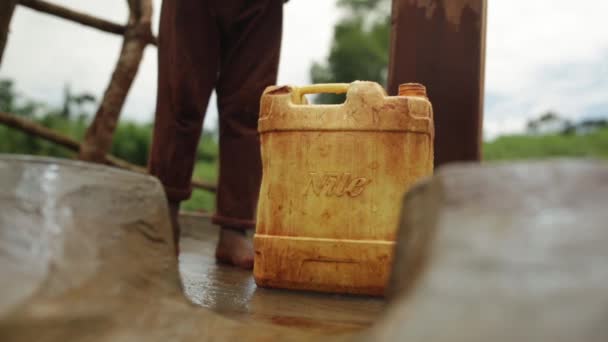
(75, 102)
(11, 102)
(360, 47)
(548, 123)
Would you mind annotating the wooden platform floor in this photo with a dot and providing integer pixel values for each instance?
(232, 292)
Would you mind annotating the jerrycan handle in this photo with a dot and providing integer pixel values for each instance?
(334, 88)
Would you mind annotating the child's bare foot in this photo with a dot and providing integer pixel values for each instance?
(234, 248)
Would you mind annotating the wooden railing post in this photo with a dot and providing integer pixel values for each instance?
(441, 44)
(98, 138)
(7, 8)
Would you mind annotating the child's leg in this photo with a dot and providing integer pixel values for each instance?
(251, 41)
(188, 53)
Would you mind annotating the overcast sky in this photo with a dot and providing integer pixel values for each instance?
(542, 55)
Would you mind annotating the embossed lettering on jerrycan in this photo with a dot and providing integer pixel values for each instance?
(334, 177)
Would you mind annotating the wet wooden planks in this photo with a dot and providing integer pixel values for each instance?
(233, 293)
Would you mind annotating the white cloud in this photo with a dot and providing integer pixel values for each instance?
(544, 55)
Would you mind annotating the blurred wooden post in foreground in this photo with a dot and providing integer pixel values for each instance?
(441, 44)
(7, 8)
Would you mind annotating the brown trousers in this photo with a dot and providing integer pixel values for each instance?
(232, 46)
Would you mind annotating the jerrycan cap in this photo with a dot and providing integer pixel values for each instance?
(412, 89)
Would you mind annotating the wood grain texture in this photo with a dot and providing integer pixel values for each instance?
(333, 178)
(441, 44)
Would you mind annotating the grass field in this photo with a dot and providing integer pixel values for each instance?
(514, 147)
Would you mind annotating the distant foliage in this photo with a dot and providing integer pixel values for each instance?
(360, 47)
(131, 140)
(589, 145)
(13, 141)
(553, 123)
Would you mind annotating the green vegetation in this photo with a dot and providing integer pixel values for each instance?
(131, 140)
(594, 145)
(203, 200)
(360, 47)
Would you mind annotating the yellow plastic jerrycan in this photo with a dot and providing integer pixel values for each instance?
(333, 180)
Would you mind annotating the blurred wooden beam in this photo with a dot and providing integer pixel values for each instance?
(81, 18)
(33, 128)
(204, 185)
(441, 44)
(78, 17)
(7, 8)
(45, 133)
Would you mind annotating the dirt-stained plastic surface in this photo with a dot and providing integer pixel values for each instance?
(333, 179)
